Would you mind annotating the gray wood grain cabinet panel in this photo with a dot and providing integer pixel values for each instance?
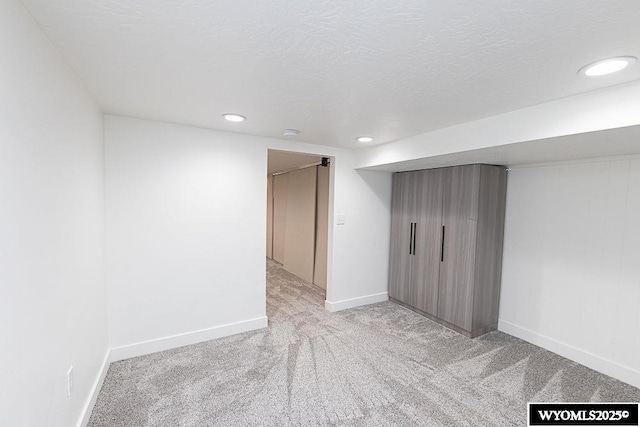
(428, 237)
(446, 255)
(415, 244)
(403, 200)
(459, 220)
(490, 236)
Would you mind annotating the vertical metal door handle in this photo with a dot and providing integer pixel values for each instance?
(442, 246)
(415, 231)
(410, 238)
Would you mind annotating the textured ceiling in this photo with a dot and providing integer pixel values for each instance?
(336, 69)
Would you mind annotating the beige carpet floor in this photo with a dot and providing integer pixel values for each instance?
(378, 365)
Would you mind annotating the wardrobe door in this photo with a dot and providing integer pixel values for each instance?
(459, 224)
(270, 217)
(428, 229)
(402, 214)
(280, 184)
(300, 229)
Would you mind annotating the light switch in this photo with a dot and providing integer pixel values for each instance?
(341, 219)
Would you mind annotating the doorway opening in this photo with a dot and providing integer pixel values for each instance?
(298, 203)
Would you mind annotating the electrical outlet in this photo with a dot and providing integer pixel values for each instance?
(70, 381)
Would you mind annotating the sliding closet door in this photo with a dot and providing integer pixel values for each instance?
(402, 225)
(280, 184)
(269, 217)
(299, 245)
(428, 230)
(460, 216)
(322, 227)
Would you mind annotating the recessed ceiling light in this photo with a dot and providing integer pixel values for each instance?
(607, 66)
(234, 117)
(364, 139)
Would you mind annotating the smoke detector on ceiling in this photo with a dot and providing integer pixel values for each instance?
(290, 132)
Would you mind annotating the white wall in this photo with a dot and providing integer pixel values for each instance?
(52, 295)
(359, 251)
(571, 270)
(186, 232)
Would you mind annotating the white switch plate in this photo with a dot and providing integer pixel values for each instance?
(341, 219)
(70, 381)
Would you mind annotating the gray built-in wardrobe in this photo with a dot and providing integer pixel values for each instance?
(446, 244)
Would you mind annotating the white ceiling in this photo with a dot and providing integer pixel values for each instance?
(601, 144)
(336, 69)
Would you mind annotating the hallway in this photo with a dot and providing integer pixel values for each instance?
(373, 365)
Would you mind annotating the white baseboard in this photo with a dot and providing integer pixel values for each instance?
(591, 360)
(180, 340)
(344, 304)
(95, 390)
